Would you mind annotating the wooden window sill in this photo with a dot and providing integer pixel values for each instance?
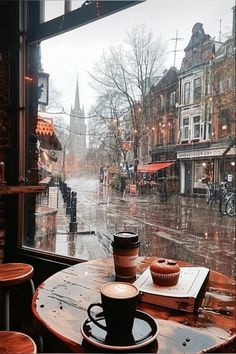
(5, 189)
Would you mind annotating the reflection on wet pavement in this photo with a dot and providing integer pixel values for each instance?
(182, 228)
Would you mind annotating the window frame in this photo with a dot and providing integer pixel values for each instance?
(197, 88)
(185, 128)
(194, 127)
(39, 30)
(31, 32)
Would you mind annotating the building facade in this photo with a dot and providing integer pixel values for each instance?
(206, 144)
(164, 117)
(191, 116)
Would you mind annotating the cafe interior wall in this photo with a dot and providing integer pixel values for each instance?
(9, 154)
(9, 151)
(8, 112)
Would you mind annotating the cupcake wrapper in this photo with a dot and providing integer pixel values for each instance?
(165, 276)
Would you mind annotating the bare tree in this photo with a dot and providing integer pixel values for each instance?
(106, 131)
(55, 108)
(127, 72)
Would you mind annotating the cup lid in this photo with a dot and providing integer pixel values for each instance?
(125, 239)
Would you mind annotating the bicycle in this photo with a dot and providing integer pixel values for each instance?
(224, 194)
(231, 206)
(210, 193)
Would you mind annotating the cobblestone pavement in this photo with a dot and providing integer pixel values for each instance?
(181, 228)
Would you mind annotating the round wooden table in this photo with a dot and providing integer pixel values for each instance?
(60, 303)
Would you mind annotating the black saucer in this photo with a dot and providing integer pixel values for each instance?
(145, 330)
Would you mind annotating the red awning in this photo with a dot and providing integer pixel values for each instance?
(46, 135)
(153, 167)
(44, 127)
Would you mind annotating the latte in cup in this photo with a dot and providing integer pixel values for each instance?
(119, 290)
(118, 303)
(125, 254)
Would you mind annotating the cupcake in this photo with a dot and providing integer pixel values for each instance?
(165, 272)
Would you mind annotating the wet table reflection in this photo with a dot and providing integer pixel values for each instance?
(60, 303)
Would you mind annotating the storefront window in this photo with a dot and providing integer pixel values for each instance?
(229, 171)
(203, 173)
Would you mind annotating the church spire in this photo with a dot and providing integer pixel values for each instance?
(77, 100)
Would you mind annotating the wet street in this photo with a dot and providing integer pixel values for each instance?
(181, 228)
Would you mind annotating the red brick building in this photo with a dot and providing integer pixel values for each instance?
(206, 149)
(162, 125)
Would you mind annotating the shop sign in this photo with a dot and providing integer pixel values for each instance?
(204, 153)
(53, 197)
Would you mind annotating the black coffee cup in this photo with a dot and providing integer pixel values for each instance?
(125, 254)
(118, 302)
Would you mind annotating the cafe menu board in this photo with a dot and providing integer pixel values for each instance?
(185, 295)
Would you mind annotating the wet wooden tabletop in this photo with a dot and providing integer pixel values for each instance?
(60, 303)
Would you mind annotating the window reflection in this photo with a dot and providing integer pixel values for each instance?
(86, 138)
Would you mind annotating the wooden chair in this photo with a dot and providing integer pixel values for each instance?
(12, 274)
(17, 343)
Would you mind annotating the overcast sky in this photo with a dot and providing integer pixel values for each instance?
(74, 54)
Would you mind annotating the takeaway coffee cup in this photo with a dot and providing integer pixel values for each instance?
(118, 302)
(125, 254)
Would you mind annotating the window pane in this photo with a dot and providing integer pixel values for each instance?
(88, 140)
(203, 173)
(53, 9)
(187, 93)
(186, 133)
(185, 121)
(196, 131)
(75, 4)
(197, 89)
(196, 120)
